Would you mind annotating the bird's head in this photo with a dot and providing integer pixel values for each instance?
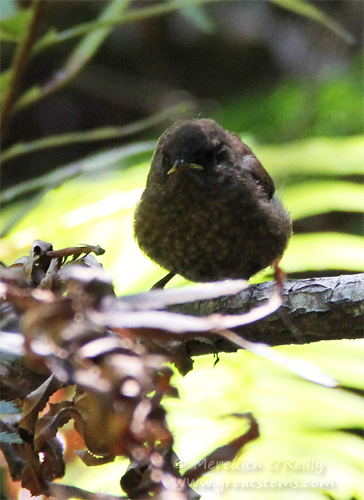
(201, 153)
(194, 148)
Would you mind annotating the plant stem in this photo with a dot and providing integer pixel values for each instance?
(19, 65)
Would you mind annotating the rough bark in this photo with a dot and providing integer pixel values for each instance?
(313, 310)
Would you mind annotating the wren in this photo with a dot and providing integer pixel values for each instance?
(208, 211)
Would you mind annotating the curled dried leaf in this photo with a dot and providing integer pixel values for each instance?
(33, 404)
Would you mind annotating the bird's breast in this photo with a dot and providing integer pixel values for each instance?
(209, 235)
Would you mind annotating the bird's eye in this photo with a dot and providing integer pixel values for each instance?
(209, 156)
(221, 156)
(215, 155)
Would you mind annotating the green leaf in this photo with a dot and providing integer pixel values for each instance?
(12, 29)
(105, 161)
(304, 8)
(29, 96)
(298, 421)
(296, 109)
(8, 408)
(15, 214)
(314, 157)
(311, 198)
(342, 409)
(10, 437)
(138, 14)
(87, 48)
(80, 56)
(197, 16)
(99, 134)
(323, 251)
(343, 360)
(95, 34)
(51, 37)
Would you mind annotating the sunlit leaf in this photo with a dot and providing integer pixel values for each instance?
(105, 478)
(17, 212)
(314, 157)
(106, 160)
(343, 359)
(306, 199)
(321, 251)
(298, 422)
(75, 214)
(329, 408)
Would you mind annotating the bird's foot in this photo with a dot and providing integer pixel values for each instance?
(162, 283)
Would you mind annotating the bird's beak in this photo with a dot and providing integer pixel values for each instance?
(180, 164)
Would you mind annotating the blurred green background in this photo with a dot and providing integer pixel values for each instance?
(82, 111)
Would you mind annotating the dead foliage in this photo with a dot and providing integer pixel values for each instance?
(62, 327)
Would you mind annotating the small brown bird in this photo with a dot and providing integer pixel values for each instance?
(208, 211)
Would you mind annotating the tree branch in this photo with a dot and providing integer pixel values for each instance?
(313, 310)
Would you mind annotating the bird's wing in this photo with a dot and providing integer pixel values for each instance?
(252, 165)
